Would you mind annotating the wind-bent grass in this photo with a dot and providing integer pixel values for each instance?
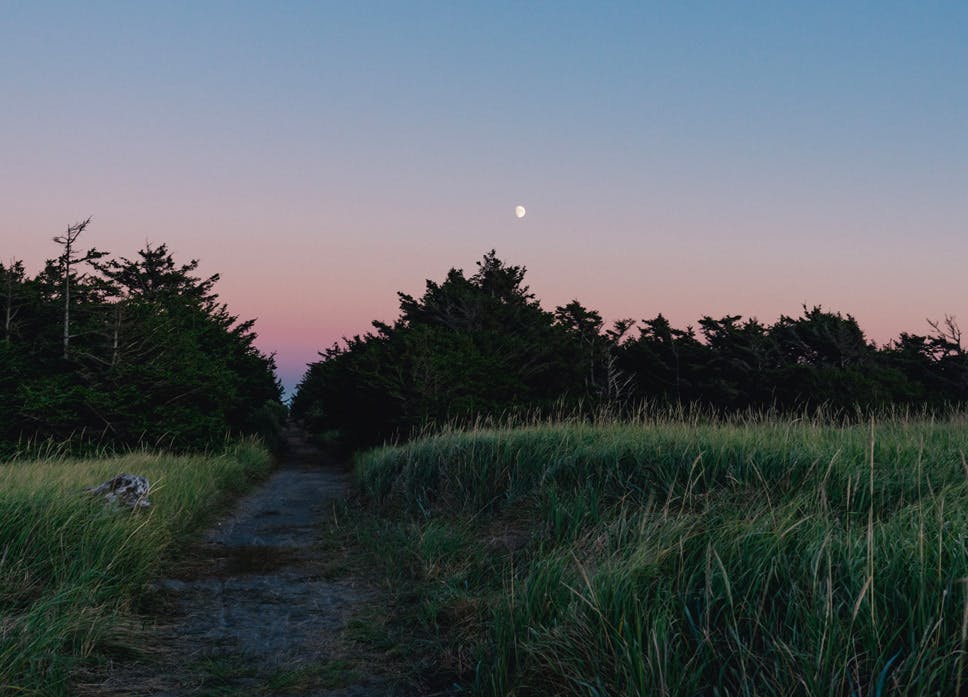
(682, 558)
(70, 566)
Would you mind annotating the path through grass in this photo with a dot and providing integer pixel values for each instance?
(70, 567)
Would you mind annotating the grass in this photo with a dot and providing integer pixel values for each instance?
(327, 675)
(664, 557)
(71, 567)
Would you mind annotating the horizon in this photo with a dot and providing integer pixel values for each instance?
(671, 160)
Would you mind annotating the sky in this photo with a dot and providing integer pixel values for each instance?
(688, 158)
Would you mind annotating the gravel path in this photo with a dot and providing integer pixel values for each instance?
(252, 611)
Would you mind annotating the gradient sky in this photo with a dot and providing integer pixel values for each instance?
(686, 158)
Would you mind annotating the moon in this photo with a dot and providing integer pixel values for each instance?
(519, 212)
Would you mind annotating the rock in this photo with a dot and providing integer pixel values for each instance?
(129, 490)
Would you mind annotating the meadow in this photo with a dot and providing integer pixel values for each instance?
(677, 556)
(73, 568)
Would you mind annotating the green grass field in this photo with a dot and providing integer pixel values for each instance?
(765, 557)
(70, 567)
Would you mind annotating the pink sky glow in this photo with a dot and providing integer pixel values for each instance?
(322, 157)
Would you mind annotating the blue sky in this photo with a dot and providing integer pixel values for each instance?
(685, 158)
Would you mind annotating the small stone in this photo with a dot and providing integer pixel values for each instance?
(129, 490)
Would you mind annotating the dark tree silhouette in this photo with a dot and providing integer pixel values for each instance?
(482, 345)
(127, 352)
(68, 259)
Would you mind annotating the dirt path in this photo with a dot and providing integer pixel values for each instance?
(252, 610)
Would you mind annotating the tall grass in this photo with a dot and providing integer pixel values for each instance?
(70, 566)
(671, 557)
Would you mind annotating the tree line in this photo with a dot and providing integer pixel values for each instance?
(109, 351)
(482, 345)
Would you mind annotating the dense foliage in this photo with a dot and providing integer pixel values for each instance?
(483, 345)
(125, 352)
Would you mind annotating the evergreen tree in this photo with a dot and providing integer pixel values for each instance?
(127, 352)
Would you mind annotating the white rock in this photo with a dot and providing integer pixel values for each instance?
(129, 490)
